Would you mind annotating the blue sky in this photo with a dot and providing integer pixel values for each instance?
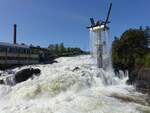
(44, 22)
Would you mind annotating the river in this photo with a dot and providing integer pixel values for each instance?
(73, 85)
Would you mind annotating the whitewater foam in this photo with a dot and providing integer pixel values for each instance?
(63, 89)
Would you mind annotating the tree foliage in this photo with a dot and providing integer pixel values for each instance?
(131, 49)
(60, 49)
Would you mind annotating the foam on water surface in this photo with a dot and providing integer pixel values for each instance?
(64, 88)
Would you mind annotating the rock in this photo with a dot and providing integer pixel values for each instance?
(53, 62)
(133, 76)
(142, 80)
(25, 74)
(142, 86)
(75, 69)
(1, 82)
(144, 74)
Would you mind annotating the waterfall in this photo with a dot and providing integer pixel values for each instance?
(73, 85)
(93, 41)
(99, 37)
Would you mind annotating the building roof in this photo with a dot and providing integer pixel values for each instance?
(13, 45)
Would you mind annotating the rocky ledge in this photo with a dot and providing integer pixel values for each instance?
(142, 82)
(141, 79)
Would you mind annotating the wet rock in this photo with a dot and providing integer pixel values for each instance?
(141, 79)
(143, 86)
(144, 74)
(75, 69)
(1, 81)
(25, 74)
(54, 62)
(133, 76)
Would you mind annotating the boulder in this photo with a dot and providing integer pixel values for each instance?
(25, 74)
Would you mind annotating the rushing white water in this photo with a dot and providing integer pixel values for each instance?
(99, 45)
(93, 41)
(64, 88)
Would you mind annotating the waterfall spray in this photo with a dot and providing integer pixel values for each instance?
(96, 37)
(97, 45)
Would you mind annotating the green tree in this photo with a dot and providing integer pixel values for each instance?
(51, 49)
(62, 48)
(56, 48)
(129, 49)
